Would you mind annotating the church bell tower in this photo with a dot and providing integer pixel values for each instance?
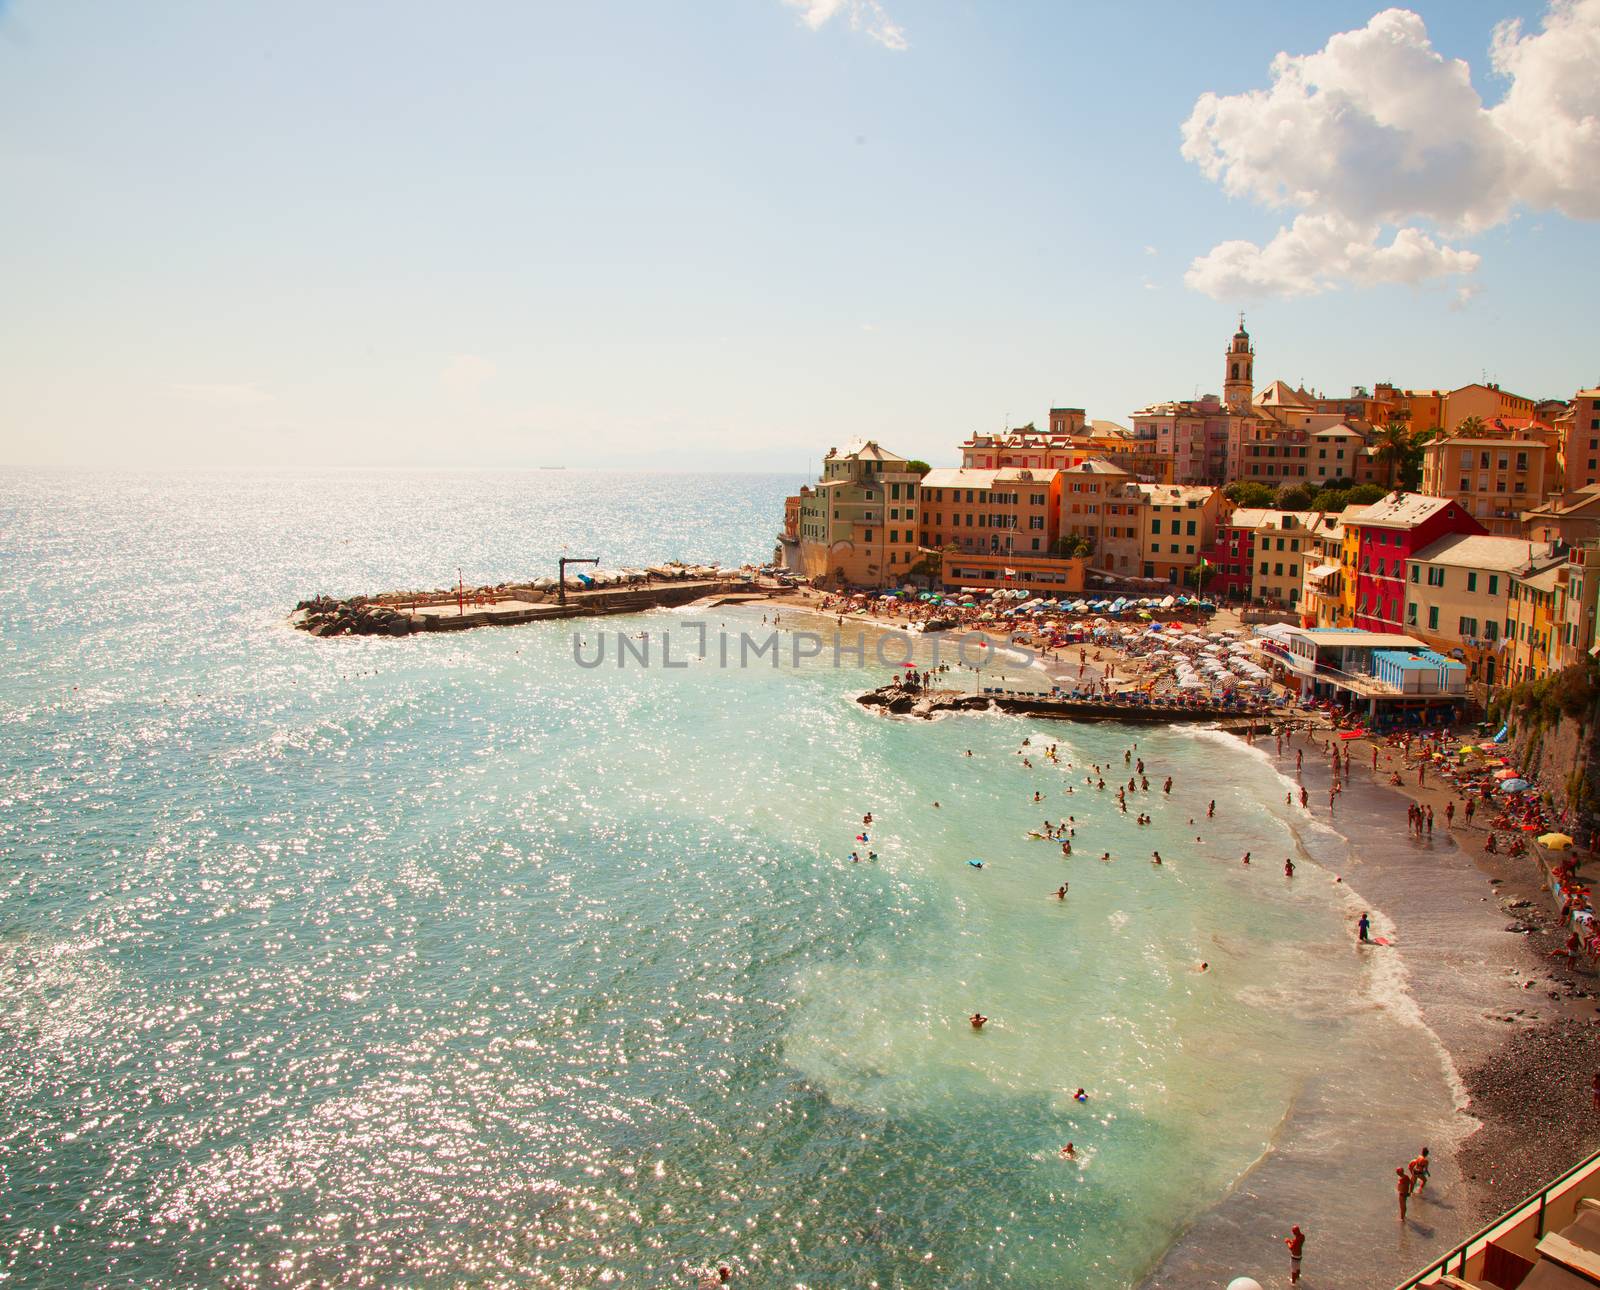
(1238, 378)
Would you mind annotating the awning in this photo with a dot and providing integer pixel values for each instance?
(1322, 571)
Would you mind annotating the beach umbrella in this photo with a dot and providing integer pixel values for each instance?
(1555, 841)
(1513, 785)
(1506, 772)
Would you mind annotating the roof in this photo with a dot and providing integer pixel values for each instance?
(1280, 395)
(1110, 427)
(1399, 511)
(1545, 579)
(1261, 517)
(1171, 494)
(1477, 551)
(866, 450)
(1592, 393)
(1580, 500)
(1094, 466)
(973, 477)
(1349, 638)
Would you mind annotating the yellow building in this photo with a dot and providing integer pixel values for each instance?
(1322, 596)
(858, 527)
(1531, 615)
(1283, 547)
(1349, 563)
(1458, 594)
(1179, 521)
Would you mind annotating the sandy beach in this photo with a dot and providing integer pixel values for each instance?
(1518, 1025)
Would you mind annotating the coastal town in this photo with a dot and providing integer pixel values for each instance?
(1410, 575)
(1466, 520)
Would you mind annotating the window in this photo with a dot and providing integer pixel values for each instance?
(1491, 630)
(1411, 614)
(1436, 577)
(1494, 584)
(1467, 627)
(1472, 579)
(1433, 618)
(1416, 573)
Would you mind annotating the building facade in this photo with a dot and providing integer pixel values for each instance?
(858, 527)
(1386, 534)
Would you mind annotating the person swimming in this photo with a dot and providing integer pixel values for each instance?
(977, 1020)
(1061, 892)
(1155, 857)
(1069, 1152)
(1080, 1096)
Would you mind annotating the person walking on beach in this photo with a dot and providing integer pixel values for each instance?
(1296, 1241)
(1363, 928)
(1469, 810)
(1288, 867)
(1419, 1171)
(1430, 821)
(1402, 1189)
(1449, 812)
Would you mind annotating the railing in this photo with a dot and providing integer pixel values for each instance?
(1481, 1238)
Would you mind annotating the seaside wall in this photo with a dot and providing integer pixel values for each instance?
(1554, 727)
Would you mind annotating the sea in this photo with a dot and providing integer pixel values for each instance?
(449, 960)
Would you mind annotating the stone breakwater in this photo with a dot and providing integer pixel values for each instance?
(900, 701)
(507, 604)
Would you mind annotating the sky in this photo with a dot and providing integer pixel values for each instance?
(729, 234)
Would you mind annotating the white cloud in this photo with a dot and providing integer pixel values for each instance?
(466, 373)
(1318, 252)
(867, 16)
(1377, 130)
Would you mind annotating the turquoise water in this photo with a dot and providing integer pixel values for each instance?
(445, 960)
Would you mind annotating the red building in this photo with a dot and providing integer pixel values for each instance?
(1386, 534)
(1230, 558)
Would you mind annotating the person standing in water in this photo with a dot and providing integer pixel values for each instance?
(1296, 1241)
(1402, 1190)
(978, 1020)
(1288, 867)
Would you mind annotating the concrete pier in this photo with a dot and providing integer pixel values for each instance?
(925, 703)
(395, 614)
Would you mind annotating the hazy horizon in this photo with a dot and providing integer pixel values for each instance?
(733, 235)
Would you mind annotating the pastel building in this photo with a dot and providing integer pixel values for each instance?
(1458, 591)
(858, 526)
(1179, 522)
(1581, 444)
(1386, 534)
(1002, 512)
(1321, 599)
(1495, 474)
(1281, 546)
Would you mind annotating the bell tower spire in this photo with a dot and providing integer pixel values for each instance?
(1238, 375)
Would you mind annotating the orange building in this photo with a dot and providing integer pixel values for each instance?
(1495, 474)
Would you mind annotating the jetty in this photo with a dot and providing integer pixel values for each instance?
(903, 701)
(405, 613)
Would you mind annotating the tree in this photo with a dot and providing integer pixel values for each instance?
(1393, 446)
(1332, 499)
(1201, 574)
(918, 467)
(1470, 426)
(1295, 497)
(1363, 495)
(1075, 545)
(1248, 493)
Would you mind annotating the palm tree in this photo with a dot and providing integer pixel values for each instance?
(1470, 426)
(1394, 445)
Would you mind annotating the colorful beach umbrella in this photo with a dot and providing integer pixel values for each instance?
(1555, 841)
(1513, 785)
